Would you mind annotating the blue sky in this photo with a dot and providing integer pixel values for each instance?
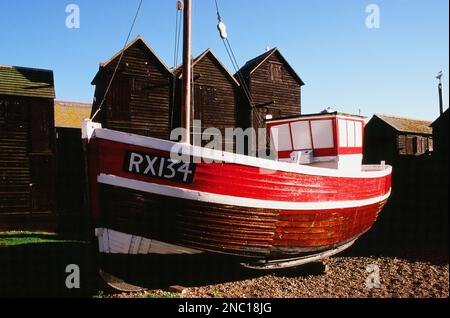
(343, 63)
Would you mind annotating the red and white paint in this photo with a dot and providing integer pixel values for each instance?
(347, 200)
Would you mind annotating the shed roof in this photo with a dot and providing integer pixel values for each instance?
(28, 82)
(256, 62)
(208, 52)
(152, 54)
(408, 125)
(71, 114)
(441, 119)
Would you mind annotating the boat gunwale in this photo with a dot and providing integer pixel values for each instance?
(232, 158)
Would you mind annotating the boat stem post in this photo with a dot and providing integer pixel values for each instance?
(187, 75)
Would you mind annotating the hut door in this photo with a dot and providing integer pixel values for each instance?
(41, 159)
(42, 184)
(120, 99)
(204, 105)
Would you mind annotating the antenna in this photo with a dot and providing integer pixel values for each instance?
(441, 92)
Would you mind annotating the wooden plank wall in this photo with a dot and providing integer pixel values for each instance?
(414, 144)
(140, 97)
(273, 85)
(15, 170)
(214, 100)
(27, 166)
(71, 184)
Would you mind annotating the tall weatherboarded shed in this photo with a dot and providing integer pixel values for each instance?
(140, 96)
(27, 149)
(274, 89)
(214, 100)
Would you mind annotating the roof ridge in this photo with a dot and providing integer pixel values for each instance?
(402, 117)
(11, 67)
(269, 52)
(129, 45)
(72, 104)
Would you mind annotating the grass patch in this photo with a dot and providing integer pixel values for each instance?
(23, 238)
(99, 294)
(216, 293)
(163, 295)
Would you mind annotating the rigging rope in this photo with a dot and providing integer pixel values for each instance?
(178, 22)
(120, 59)
(232, 56)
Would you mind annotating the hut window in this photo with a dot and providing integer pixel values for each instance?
(276, 72)
(430, 144)
(409, 145)
(420, 145)
(401, 143)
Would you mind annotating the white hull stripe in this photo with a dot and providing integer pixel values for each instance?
(194, 195)
(220, 156)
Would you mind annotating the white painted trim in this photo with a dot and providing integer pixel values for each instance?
(194, 195)
(88, 128)
(125, 243)
(220, 156)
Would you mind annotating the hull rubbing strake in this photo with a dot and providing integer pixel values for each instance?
(278, 264)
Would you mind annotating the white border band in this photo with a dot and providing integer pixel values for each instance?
(194, 195)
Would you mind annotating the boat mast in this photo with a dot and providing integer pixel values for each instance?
(187, 75)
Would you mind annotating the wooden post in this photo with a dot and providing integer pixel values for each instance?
(441, 99)
(441, 93)
(187, 75)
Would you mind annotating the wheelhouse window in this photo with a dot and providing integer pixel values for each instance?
(350, 133)
(322, 132)
(281, 137)
(301, 135)
(326, 136)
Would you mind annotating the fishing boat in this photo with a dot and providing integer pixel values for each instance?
(311, 201)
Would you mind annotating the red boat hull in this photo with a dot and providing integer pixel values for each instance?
(250, 232)
(231, 207)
